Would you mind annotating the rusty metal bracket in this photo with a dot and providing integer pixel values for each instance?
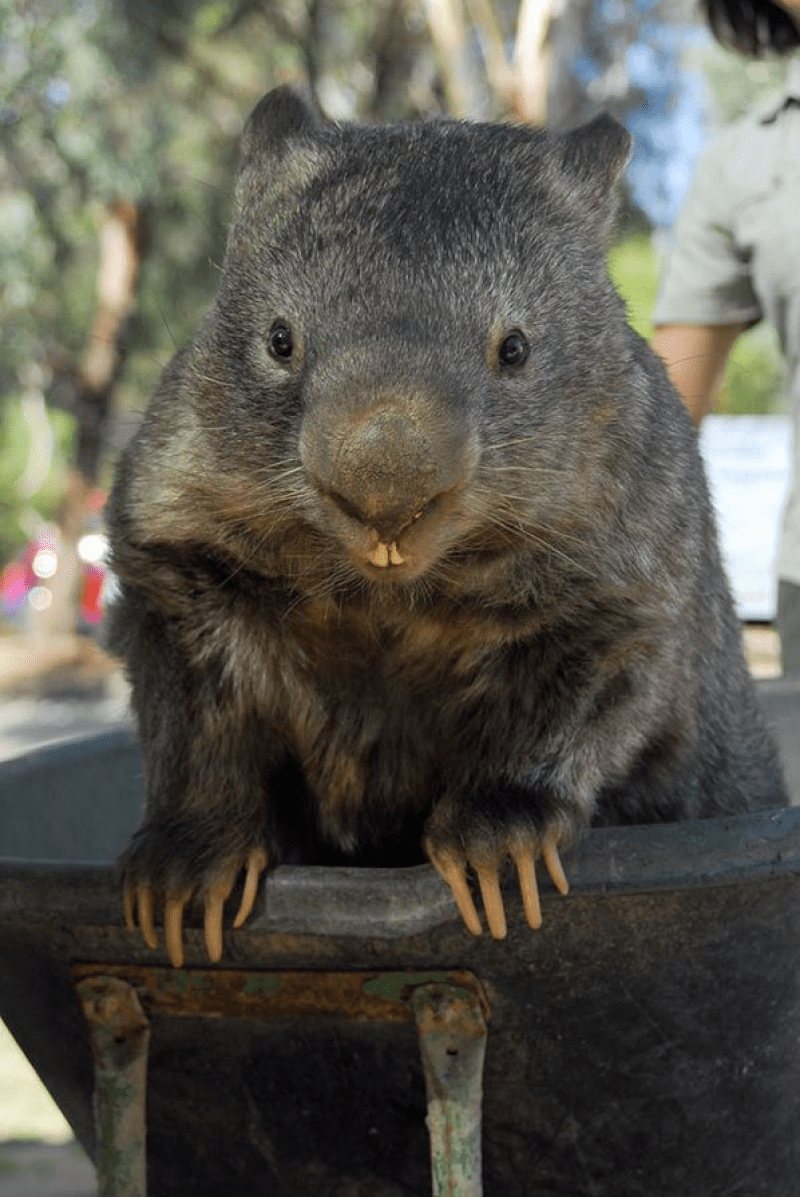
(120, 1037)
(452, 1038)
(373, 996)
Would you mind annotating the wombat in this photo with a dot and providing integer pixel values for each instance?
(415, 548)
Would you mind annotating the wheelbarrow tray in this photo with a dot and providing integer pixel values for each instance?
(644, 1043)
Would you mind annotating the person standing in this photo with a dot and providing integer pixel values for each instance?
(735, 259)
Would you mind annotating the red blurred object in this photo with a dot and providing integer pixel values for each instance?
(25, 581)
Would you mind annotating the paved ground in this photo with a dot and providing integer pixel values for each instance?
(38, 1157)
(32, 1169)
(47, 695)
(27, 723)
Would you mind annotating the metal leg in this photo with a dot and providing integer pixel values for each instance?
(452, 1039)
(120, 1037)
(449, 1008)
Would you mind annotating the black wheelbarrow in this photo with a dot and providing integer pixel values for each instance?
(357, 1041)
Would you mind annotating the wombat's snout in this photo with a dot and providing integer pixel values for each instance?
(386, 471)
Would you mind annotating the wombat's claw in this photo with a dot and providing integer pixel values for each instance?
(140, 898)
(256, 863)
(173, 928)
(128, 908)
(525, 861)
(489, 881)
(452, 870)
(555, 869)
(216, 897)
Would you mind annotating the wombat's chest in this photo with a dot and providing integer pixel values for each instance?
(359, 660)
(358, 694)
(369, 711)
(369, 733)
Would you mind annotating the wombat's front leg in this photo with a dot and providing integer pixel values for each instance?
(207, 757)
(481, 835)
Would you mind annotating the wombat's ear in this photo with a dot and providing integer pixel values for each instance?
(592, 158)
(280, 120)
(278, 116)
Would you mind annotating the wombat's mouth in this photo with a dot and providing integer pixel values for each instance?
(386, 553)
(404, 550)
(395, 559)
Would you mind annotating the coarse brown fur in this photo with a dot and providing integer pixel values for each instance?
(553, 642)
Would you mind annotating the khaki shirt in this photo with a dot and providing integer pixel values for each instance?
(736, 253)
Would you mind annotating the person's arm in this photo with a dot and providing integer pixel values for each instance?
(695, 357)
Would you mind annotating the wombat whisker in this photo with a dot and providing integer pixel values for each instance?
(532, 472)
(514, 519)
(548, 547)
(245, 563)
(201, 376)
(545, 543)
(422, 593)
(543, 530)
(268, 477)
(507, 498)
(531, 439)
(541, 539)
(329, 587)
(301, 598)
(284, 472)
(277, 498)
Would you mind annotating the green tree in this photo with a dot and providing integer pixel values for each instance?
(118, 131)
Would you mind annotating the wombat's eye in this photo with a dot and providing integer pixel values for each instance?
(281, 342)
(514, 350)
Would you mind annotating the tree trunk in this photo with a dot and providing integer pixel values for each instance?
(123, 239)
(533, 60)
(519, 85)
(395, 48)
(449, 33)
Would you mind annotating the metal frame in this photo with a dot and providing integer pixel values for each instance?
(450, 1011)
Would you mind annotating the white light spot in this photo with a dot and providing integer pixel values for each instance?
(40, 598)
(45, 563)
(92, 548)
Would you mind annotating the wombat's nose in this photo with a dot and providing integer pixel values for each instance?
(388, 521)
(384, 473)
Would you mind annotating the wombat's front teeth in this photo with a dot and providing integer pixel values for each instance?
(384, 555)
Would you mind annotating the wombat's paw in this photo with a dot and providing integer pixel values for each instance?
(452, 862)
(144, 887)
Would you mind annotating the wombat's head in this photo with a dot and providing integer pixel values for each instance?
(420, 338)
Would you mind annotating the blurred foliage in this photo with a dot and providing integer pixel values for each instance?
(633, 266)
(754, 377)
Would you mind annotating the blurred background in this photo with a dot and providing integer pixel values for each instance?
(119, 122)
